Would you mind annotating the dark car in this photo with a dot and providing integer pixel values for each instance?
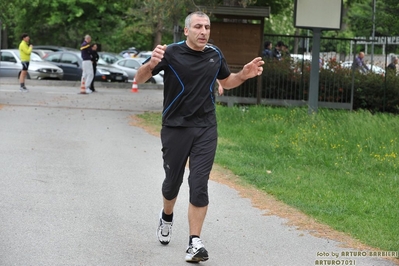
(71, 63)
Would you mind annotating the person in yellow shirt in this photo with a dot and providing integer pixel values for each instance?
(25, 49)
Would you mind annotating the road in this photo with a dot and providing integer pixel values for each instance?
(80, 185)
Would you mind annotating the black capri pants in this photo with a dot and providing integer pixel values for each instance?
(179, 144)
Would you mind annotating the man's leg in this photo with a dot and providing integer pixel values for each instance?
(87, 74)
(90, 75)
(175, 148)
(94, 75)
(22, 78)
(201, 161)
(168, 205)
(196, 217)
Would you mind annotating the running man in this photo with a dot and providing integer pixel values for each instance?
(189, 130)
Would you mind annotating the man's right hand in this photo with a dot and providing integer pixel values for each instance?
(157, 55)
(145, 71)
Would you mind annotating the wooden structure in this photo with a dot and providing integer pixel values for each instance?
(238, 32)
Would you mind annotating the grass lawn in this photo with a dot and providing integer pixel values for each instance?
(339, 167)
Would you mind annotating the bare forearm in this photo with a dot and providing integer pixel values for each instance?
(233, 81)
(143, 74)
(250, 70)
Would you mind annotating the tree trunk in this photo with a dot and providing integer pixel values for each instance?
(158, 33)
(4, 38)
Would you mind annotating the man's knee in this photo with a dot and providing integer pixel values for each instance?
(199, 196)
(170, 191)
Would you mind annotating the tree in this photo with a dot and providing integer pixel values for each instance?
(65, 22)
(8, 9)
(116, 25)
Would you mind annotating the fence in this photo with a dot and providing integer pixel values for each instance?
(286, 82)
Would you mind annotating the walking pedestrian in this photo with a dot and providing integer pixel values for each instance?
(87, 65)
(94, 59)
(359, 64)
(189, 129)
(25, 49)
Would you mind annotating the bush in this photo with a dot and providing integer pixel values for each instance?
(289, 79)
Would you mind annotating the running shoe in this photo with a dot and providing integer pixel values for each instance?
(164, 231)
(196, 252)
(23, 89)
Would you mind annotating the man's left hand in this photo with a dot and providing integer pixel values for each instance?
(253, 68)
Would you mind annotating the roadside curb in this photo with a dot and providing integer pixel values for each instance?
(67, 83)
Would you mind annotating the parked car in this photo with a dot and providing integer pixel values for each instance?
(109, 58)
(11, 66)
(54, 48)
(71, 63)
(131, 65)
(144, 54)
(376, 69)
(132, 51)
(41, 52)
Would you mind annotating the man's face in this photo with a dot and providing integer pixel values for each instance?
(26, 39)
(198, 32)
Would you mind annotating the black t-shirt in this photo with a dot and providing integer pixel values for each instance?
(189, 78)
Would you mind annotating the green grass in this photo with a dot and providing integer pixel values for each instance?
(339, 167)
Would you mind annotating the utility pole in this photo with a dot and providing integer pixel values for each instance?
(1, 29)
(373, 36)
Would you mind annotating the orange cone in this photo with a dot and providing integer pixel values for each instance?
(135, 87)
(82, 87)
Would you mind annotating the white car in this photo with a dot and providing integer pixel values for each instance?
(377, 69)
(131, 65)
(11, 66)
(144, 54)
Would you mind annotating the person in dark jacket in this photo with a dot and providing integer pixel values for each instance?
(267, 52)
(277, 50)
(87, 65)
(94, 59)
(359, 64)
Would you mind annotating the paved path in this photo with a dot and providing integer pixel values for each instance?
(79, 185)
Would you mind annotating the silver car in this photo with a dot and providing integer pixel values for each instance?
(130, 66)
(10, 66)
